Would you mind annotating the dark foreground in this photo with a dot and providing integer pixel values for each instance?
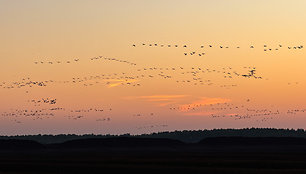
(130, 155)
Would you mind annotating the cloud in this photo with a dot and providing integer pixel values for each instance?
(199, 113)
(161, 100)
(232, 114)
(166, 104)
(205, 101)
(116, 82)
(162, 97)
(166, 100)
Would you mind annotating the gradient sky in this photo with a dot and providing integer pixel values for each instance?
(55, 30)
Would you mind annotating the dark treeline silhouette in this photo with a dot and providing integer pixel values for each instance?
(189, 136)
(198, 135)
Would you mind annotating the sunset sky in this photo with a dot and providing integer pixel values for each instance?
(145, 88)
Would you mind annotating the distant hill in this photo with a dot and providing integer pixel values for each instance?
(120, 142)
(253, 141)
(20, 145)
(189, 136)
(153, 144)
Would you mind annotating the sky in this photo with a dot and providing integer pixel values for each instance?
(115, 67)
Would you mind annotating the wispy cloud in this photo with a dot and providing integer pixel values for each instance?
(116, 82)
(162, 97)
(166, 100)
(161, 100)
(199, 113)
(205, 101)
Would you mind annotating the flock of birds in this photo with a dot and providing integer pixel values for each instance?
(223, 110)
(34, 114)
(113, 59)
(57, 62)
(263, 116)
(25, 82)
(43, 101)
(47, 113)
(143, 115)
(210, 46)
(182, 75)
(48, 107)
(236, 112)
(296, 111)
(153, 126)
(77, 60)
